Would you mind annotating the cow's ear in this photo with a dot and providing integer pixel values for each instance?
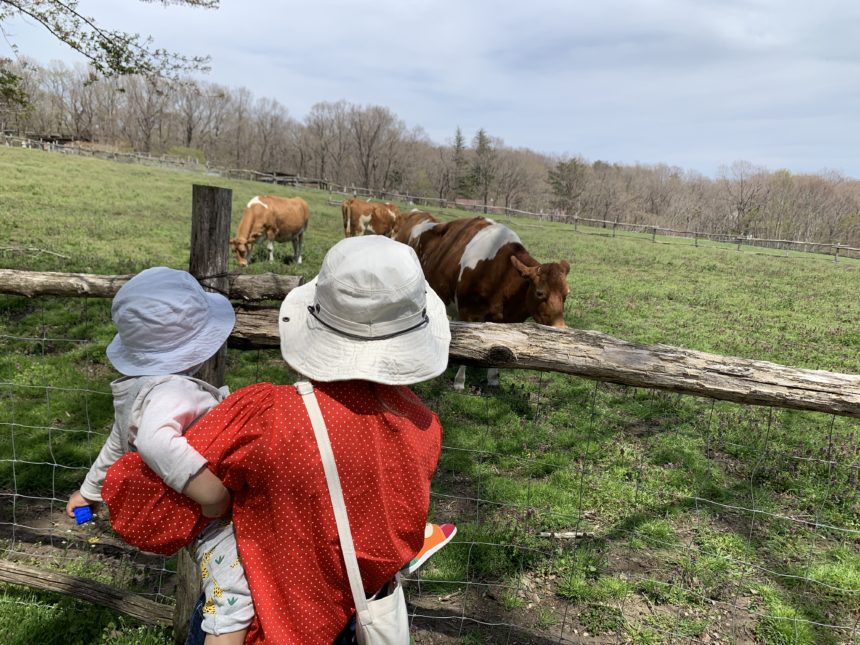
(564, 266)
(525, 271)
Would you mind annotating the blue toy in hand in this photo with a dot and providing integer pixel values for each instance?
(83, 514)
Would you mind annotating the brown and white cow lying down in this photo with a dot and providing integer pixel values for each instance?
(280, 219)
(376, 218)
(482, 271)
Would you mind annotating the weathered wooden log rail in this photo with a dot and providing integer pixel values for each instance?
(589, 354)
(145, 610)
(602, 357)
(266, 286)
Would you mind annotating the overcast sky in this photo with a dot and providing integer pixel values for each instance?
(692, 83)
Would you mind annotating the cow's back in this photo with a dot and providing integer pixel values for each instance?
(253, 220)
(414, 222)
(385, 218)
(286, 216)
(440, 249)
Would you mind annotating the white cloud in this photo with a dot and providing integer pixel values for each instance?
(695, 84)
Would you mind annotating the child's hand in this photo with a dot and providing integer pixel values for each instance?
(78, 500)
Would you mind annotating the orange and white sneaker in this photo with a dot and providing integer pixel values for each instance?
(435, 537)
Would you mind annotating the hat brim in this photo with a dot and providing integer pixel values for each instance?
(321, 354)
(205, 343)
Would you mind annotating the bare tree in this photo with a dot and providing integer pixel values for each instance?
(603, 192)
(270, 121)
(375, 131)
(214, 123)
(370, 146)
(240, 125)
(512, 180)
(189, 109)
(328, 137)
(745, 193)
(147, 100)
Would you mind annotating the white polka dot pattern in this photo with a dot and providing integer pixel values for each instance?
(260, 442)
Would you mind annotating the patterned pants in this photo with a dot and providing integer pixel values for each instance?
(227, 605)
(196, 635)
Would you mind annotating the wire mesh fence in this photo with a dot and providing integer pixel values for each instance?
(687, 520)
(586, 511)
(55, 412)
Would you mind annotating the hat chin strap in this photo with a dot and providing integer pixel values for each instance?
(370, 331)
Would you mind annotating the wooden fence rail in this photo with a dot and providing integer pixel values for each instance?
(265, 286)
(589, 354)
(601, 357)
(131, 604)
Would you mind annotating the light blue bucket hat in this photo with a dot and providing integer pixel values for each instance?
(166, 323)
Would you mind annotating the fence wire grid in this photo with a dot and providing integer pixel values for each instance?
(586, 511)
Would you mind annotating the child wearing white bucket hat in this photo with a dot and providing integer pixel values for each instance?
(167, 327)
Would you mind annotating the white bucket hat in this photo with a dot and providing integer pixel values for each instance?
(369, 315)
(166, 323)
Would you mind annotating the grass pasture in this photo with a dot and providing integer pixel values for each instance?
(697, 521)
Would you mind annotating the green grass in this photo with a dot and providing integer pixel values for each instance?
(28, 617)
(546, 452)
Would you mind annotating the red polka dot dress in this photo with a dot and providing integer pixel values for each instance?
(260, 442)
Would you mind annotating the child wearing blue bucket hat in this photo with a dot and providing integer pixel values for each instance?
(167, 327)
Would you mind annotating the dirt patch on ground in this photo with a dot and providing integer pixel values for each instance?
(38, 533)
(525, 611)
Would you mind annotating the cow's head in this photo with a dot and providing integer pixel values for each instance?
(547, 290)
(241, 247)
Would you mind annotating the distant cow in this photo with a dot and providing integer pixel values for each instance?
(377, 218)
(482, 271)
(413, 224)
(280, 219)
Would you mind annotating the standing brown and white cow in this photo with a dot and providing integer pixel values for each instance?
(377, 218)
(280, 219)
(482, 271)
(413, 224)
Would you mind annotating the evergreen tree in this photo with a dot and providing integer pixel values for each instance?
(568, 181)
(484, 166)
(14, 101)
(460, 180)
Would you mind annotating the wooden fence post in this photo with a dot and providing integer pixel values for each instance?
(210, 242)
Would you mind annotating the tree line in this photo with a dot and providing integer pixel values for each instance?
(369, 146)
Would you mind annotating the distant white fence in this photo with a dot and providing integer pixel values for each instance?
(836, 250)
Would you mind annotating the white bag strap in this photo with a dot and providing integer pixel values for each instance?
(306, 390)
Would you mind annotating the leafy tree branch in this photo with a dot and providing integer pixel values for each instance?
(110, 52)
